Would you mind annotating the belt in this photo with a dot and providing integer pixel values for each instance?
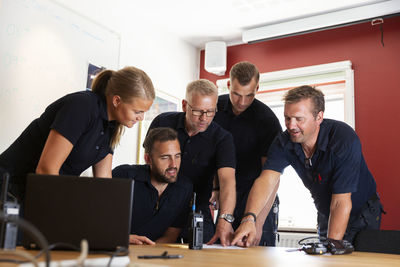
(375, 196)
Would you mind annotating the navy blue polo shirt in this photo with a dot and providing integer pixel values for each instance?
(80, 117)
(152, 215)
(253, 131)
(202, 154)
(338, 165)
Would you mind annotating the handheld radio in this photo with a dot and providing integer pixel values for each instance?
(195, 227)
(8, 230)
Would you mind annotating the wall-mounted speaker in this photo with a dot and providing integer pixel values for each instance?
(215, 58)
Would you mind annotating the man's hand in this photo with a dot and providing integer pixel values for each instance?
(245, 235)
(224, 232)
(140, 240)
(214, 200)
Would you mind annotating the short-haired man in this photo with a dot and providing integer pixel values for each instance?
(327, 156)
(207, 149)
(161, 197)
(253, 126)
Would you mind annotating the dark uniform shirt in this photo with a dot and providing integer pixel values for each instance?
(202, 154)
(338, 165)
(253, 131)
(81, 118)
(152, 215)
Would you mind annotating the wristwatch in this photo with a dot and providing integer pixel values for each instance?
(227, 217)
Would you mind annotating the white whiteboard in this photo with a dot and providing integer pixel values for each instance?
(45, 50)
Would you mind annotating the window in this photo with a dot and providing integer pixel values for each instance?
(297, 210)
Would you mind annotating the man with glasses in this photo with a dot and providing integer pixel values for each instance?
(327, 156)
(253, 126)
(207, 150)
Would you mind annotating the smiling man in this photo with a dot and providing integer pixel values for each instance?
(207, 149)
(327, 156)
(161, 197)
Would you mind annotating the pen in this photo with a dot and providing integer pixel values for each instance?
(160, 257)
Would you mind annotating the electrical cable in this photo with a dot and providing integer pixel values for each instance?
(30, 229)
(119, 252)
(18, 253)
(38, 237)
(300, 242)
(84, 252)
(379, 21)
(57, 245)
(123, 250)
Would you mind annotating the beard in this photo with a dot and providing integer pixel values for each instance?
(163, 177)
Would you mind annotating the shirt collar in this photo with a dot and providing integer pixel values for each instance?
(144, 174)
(322, 140)
(227, 107)
(103, 113)
(181, 125)
(285, 140)
(181, 121)
(103, 107)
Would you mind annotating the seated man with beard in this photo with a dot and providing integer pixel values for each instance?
(161, 198)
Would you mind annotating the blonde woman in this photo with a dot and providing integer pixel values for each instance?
(80, 130)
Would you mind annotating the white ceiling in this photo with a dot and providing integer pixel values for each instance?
(200, 21)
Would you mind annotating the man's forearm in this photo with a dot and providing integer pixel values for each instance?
(263, 191)
(227, 197)
(339, 215)
(262, 216)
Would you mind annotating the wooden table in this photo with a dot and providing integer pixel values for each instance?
(260, 256)
(256, 256)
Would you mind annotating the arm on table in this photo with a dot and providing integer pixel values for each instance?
(140, 240)
(227, 198)
(262, 216)
(339, 215)
(170, 235)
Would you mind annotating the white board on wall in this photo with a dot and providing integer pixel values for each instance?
(45, 50)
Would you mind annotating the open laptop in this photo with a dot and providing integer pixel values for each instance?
(68, 209)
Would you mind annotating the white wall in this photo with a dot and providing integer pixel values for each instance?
(169, 61)
(171, 64)
(44, 54)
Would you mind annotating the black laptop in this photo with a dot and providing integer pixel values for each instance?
(68, 209)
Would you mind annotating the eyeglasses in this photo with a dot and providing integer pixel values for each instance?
(199, 113)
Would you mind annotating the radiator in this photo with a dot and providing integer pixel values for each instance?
(290, 239)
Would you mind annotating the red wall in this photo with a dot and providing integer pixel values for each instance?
(377, 89)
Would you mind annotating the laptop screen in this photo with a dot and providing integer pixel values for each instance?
(68, 209)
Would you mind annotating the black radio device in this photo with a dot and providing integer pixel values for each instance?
(316, 248)
(326, 245)
(10, 209)
(195, 227)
